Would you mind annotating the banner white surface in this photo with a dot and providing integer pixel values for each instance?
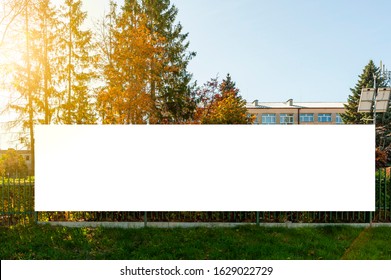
(205, 168)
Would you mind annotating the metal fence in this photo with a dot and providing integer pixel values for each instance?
(18, 207)
(17, 201)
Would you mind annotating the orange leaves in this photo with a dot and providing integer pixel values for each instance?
(221, 104)
(381, 158)
(135, 62)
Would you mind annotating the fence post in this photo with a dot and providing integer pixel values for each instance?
(257, 218)
(145, 219)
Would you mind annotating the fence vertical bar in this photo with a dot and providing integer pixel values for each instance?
(257, 218)
(145, 218)
(389, 183)
(385, 195)
(380, 193)
(32, 194)
(2, 199)
(17, 186)
(8, 204)
(377, 193)
(26, 199)
(390, 199)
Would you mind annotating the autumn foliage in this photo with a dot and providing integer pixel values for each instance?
(127, 99)
(220, 103)
(381, 158)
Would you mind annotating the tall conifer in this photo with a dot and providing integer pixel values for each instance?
(366, 80)
(77, 57)
(170, 82)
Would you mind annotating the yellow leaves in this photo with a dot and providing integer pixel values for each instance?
(136, 55)
(225, 108)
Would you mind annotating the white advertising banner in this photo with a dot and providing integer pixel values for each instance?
(205, 168)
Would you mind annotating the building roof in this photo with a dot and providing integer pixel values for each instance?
(291, 104)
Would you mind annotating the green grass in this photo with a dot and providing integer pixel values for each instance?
(371, 244)
(246, 242)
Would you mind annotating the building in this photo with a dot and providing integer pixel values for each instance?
(291, 112)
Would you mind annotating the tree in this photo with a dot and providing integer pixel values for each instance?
(170, 83)
(221, 104)
(45, 35)
(77, 57)
(24, 80)
(351, 115)
(104, 38)
(32, 79)
(13, 164)
(126, 97)
(10, 10)
(383, 120)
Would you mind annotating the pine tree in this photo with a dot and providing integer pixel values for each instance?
(45, 37)
(35, 27)
(351, 115)
(171, 89)
(383, 120)
(76, 47)
(24, 77)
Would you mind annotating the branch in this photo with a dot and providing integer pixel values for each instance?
(17, 9)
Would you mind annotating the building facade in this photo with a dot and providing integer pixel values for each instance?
(291, 112)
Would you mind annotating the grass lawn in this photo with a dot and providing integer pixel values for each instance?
(371, 244)
(246, 242)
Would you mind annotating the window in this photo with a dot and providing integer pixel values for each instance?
(306, 118)
(286, 118)
(268, 118)
(323, 118)
(338, 119)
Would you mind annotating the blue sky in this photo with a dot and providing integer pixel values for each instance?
(308, 50)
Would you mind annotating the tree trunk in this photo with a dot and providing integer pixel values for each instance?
(29, 90)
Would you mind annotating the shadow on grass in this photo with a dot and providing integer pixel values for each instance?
(371, 244)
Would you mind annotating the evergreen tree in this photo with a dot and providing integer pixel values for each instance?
(76, 47)
(366, 80)
(171, 89)
(25, 78)
(35, 26)
(383, 120)
(45, 37)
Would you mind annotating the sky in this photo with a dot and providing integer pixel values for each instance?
(307, 50)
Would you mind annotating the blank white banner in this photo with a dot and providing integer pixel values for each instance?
(205, 168)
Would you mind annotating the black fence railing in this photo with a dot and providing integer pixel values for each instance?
(17, 206)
